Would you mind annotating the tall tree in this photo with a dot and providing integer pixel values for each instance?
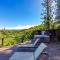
(47, 4)
(58, 13)
(58, 10)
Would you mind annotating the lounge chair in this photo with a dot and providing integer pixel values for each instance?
(29, 55)
(29, 45)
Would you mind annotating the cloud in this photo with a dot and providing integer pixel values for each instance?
(20, 27)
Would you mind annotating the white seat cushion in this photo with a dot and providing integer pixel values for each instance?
(29, 45)
(22, 56)
(26, 45)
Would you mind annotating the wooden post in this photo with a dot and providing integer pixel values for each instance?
(2, 41)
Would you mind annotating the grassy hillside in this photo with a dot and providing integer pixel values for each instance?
(11, 37)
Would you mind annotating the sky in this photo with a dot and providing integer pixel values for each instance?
(20, 14)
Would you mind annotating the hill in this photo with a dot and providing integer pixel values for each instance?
(10, 37)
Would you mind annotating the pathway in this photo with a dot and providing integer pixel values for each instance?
(53, 51)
